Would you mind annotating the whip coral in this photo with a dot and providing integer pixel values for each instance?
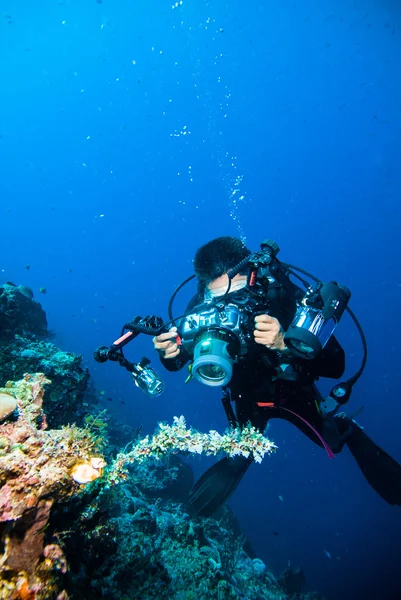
(178, 438)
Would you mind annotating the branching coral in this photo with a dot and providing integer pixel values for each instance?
(177, 437)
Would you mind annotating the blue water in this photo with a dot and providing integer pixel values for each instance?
(129, 131)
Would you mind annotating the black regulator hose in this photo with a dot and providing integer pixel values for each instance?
(238, 268)
(170, 304)
(357, 375)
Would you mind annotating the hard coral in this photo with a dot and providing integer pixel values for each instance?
(69, 378)
(34, 474)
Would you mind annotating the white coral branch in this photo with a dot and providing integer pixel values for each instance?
(178, 438)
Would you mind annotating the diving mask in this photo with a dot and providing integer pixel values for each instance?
(221, 291)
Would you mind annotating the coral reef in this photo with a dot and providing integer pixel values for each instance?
(69, 532)
(156, 551)
(35, 472)
(69, 380)
(25, 349)
(170, 478)
(122, 544)
(132, 541)
(19, 313)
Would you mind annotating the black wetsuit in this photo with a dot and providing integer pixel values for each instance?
(257, 391)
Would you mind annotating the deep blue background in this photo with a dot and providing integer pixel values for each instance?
(301, 100)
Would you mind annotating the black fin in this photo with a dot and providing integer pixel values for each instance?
(381, 470)
(217, 484)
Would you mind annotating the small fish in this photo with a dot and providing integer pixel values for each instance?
(102, 392)
(70, 270)
(275, 532)
(327, 553)
(27, 267)
(281, 498)
(42, 290)
(122, 402)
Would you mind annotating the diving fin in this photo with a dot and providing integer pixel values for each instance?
(217, 484)
(381, 470)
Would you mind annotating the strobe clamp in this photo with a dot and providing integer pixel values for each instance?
(144, 376)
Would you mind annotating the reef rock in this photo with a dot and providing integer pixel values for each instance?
(35, 472)
(19, 312)
(65, 395)
(25, 349)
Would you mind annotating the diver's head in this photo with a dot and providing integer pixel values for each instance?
(214, 259)
(216, 347)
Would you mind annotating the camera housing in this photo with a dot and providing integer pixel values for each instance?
(217, 336)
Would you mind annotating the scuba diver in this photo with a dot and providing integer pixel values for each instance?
(265, 342)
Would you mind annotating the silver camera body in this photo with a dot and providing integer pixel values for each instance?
(228, 317)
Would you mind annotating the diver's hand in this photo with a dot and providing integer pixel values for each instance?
(269, 332)
(166, 343)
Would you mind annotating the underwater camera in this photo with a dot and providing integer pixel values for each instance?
(216, 337)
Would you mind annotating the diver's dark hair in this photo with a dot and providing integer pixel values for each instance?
(217, 257)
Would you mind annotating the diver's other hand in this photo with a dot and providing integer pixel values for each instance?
(166, 343)
(269, 332)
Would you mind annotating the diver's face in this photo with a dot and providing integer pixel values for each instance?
(218, 287)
